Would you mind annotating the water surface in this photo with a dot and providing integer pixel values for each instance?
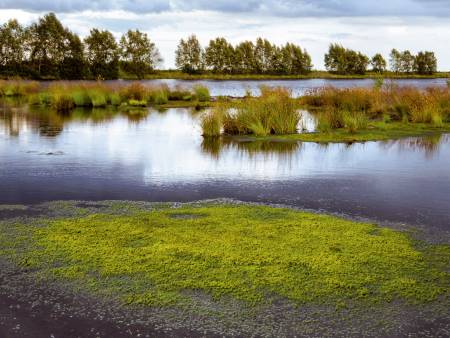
(238, 88)
(161, 156)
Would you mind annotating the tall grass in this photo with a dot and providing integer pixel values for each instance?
(18, 88)
(65, 95)
(274, 112)
(352, 108)
(202, 93)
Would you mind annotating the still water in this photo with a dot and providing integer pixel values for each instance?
(161, 156)
(238, 88)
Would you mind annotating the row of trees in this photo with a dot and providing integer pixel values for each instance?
(247, 57)
(47, 49)
(342, 60)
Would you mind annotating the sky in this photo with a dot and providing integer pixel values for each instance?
(365, 25)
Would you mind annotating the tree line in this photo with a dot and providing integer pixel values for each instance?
(247, 57)
(345, 61)
(47, 49)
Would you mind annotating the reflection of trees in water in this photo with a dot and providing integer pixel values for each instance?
(215, 145)
(46, 121)
(428, 144)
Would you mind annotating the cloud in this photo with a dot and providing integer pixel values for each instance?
(289, 8)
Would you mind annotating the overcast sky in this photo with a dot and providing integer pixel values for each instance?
(370, 26)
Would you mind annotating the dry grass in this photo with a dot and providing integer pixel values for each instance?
(352, 107)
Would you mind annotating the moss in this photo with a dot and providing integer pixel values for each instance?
(251, 253)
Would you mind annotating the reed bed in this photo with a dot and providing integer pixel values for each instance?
(275, 112)
(353, 108)
(64, 96)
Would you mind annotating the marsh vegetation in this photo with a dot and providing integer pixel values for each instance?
(64, 96)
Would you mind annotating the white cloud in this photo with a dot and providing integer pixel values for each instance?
(232, 19)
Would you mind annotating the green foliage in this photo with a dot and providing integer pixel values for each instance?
(189, 56)
(139, 55)
(345, 61)
(251, 253)
(102, 54)
(379, 64)
(202, 93)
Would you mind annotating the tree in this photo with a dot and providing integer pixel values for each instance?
(406, 62)
(425, 63)
(13, 38)
(189, 56)
(102, 54)
(139, 55)
(378, 63)
(48, 44)
(244, 58)
(297, 61)
(345, 61)
(395, 60)
(219, 56)
(73, 65)
(335, 59)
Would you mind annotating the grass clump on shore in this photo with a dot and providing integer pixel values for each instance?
(64, 96)
(399, 104)
(273, 113)
(250, 253)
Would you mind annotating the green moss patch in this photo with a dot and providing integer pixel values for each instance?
(250, 253)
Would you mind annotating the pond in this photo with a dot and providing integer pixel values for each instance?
(238, 88)
(161, 156)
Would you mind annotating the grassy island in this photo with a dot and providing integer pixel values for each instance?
(342, 115)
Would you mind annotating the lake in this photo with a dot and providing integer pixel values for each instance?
(238, 88)
(161, 156)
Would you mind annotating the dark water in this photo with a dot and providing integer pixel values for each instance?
(160, 156)
(238, 88)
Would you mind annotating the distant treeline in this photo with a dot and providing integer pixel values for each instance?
(48, 50)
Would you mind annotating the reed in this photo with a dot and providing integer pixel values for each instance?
(354, 107)
(273, 113)
(202, 93)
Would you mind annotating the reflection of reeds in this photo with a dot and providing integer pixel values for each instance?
(215, 145)
(428, 144)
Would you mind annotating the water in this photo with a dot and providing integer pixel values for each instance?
(161, 156)
(238, 88)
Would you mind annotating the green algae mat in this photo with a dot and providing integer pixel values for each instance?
(156, 255)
